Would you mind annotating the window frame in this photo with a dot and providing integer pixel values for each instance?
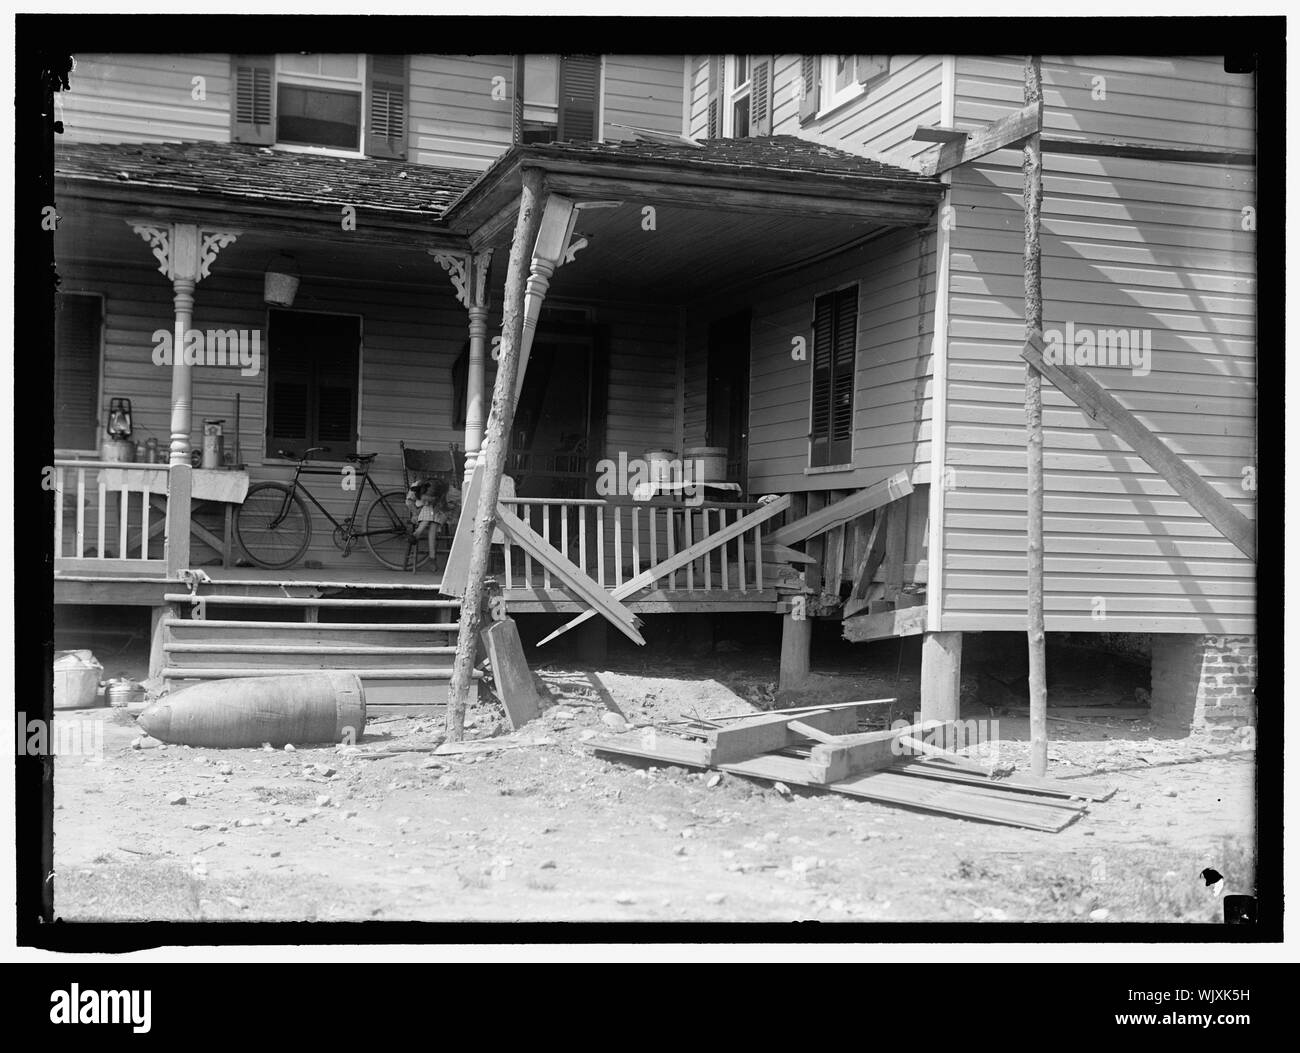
(93, 451)
(833, 465)
(268, 456)
(830, 98)
(324, 82)
(733, 93)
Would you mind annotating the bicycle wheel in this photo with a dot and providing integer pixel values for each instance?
(273, 525)
(386, 533)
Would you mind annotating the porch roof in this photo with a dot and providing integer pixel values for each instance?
(777, 173)
(257, 173)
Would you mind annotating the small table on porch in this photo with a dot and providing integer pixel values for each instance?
(225, 486)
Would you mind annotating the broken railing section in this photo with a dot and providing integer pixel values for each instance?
(823, 749)
(613, 541)
(865, 560)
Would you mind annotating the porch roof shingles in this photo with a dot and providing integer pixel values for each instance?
(771, 154)
(240, 171)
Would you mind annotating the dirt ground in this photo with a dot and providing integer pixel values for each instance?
(545, 830)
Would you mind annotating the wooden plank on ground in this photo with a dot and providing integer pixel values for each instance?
(858, 753)
(841, 512)
(907, 621)
(773, 732)
(999, 135)
(510, 673)
(572, 577)
(681, 559)
(969, 772)
(1101, 406)
(652, 745)
(887, 787)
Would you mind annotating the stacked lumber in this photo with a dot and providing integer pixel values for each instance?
(823, 749)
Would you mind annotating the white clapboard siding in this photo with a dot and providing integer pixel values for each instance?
(1128, 245)
(457, 119)
(642, 91)
(895, 276)
(147, 98)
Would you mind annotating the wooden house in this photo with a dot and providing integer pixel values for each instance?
(758, 254)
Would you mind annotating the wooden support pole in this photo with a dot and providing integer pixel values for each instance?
(1037, 637)
(941, 676)
(492, 456)
(796, 646)
(177, 543)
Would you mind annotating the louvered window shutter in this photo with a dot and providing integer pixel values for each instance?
(810, 74)
(835, 325)
(517, 106)
(579, 98)
(761, 104)
(386, 106)
(252, 104)
(714, 127)
(76, 372)
(871, 66)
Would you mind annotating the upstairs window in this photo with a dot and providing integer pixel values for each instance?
(332, 103)
(740, 96)
(78, 324)
(557, 98)
(834, 370)
(827, 82)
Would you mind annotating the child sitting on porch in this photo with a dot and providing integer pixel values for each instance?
(432, 501)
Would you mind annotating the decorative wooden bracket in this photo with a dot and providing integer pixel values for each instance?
(1102, 407)
(173, 243)
(468, 273)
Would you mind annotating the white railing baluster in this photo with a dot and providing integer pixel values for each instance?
(722, 552)
(618, 545)
(672, 542)
(758, 559)
(582, 538)
(58, 512)
(740, 553)
(526, 514)
(144, 521)
(546, 536)
(123, 519)
(686, 543)
(81, 513)
(102, 494)
(600, 545)
(654, 541)
(564, 530)
(636, 541)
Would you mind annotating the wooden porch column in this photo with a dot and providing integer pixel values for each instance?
(185, 255)
(796, 646)
(469, 277)
(941, 676)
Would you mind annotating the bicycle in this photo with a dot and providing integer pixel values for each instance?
(274, 525)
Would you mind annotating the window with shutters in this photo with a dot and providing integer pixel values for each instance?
(557, 98)
(834, 370)
(313, 366)
(78, 324)
(324, 103)
(740, 96)
(843, 78)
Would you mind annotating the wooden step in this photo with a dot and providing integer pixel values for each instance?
(218, 656)
(279, 648)
(172, 672)
(302, 601)
(208, 624)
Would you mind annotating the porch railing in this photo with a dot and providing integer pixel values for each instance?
(614, 541)
(105, 519)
